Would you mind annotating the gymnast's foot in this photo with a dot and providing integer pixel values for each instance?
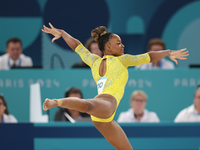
(48, 104)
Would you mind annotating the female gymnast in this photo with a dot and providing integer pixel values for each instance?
(111, 74)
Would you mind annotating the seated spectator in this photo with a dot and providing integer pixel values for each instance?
(93, 47)
(5, 117)
(137, 112)
(76, 115)
(191, 113)
(157, 45)
(14, 57)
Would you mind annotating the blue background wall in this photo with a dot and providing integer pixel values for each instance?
(136, 21)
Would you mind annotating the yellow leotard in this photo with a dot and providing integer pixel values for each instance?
(116, 76)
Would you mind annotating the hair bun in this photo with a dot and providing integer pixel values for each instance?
(97, 32)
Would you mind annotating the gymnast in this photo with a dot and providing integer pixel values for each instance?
(110, 74)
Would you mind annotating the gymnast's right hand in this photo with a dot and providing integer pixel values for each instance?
(55, 32)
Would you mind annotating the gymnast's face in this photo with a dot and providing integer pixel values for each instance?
(115, 46)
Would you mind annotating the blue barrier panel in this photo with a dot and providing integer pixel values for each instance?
(84, 136)
(16, 136)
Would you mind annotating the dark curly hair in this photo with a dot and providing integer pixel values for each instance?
(99, 34)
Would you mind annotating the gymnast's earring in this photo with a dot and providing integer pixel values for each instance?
(4, 107)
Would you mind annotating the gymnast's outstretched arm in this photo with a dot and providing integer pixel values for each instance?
(73, 43)
(135, 60)
(57, 33)
(173, 55)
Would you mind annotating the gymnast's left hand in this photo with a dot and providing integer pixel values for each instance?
(180, 54)
(55, 32)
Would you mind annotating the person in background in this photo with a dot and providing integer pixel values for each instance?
(92, 46)
(157, 45)
(137, 112)
(76, 115)
(5, 117)
(191, 113)
(14, 57)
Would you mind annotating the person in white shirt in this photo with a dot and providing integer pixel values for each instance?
(156, 45)
(138, 113)
(191, 113)
(5, 117)
(14, 57)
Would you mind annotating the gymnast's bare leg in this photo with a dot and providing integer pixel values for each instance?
(102, 106)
